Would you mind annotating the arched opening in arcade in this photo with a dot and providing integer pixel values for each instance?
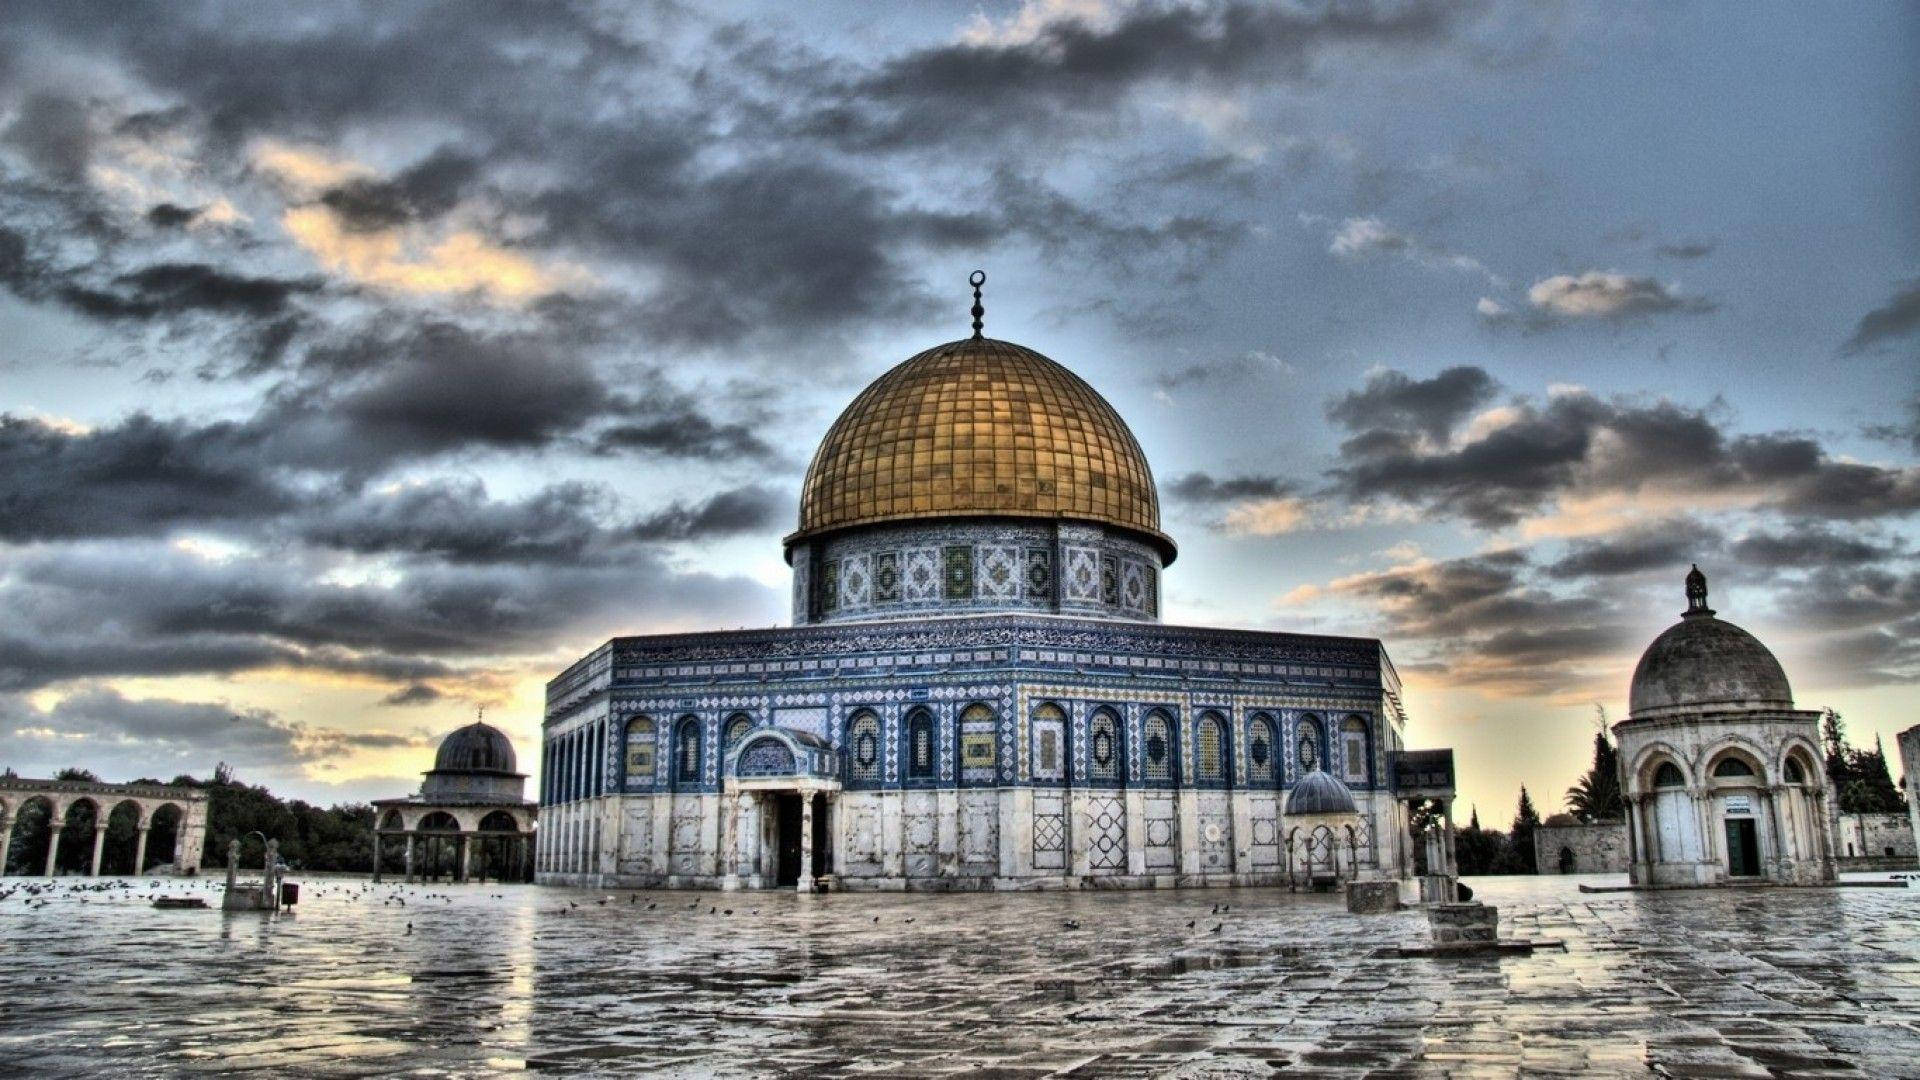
(499, 849)
(389, 848)
(120, 853)
(75, 847)
(1738, 786)
(32, 830)
(436, 847)
(164, 836)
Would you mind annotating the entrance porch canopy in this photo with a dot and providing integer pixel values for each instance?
(782, 759)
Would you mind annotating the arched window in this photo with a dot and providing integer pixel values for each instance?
(737, 727)
(1262, 752)
(1669, 775)
(1103, 747)
(1732, 767)
(1354, 760)
(863, 747)
(640, 752)
(686, 753)
(1210, 755)
(979, 745)
(1159, 750)
(1049, 742)
(920, 745)
(1795, 773)
(1307, 743)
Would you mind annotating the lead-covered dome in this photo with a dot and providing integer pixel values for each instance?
(1703, 662)
(979, 428)
(477, 748)
(1320, 792)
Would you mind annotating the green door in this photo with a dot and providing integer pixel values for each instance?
(1743, 848)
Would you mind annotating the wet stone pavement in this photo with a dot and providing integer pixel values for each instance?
(490, 979)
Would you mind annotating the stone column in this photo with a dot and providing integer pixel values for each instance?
(730, 845)
(466, 856)
(1453, 867)
(410, 839)
(6, 838)
(1411, 866)
(99, 844)
(376, 858)
(53, 844)
(806, 843)
(233, 863)
(139, 849)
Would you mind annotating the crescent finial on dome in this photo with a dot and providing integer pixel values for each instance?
(977, 279)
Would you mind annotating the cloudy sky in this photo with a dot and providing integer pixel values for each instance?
(366, 363)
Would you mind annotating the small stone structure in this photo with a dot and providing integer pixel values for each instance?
(1722, 775)
(187, 805)
(1373, 897)
(1598, 847)
(472, 797)
(247, 895)
(1874, 841)
(1463, 924)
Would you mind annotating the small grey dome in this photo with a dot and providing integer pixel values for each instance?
(1703, 662)
(1320, 793)
(477, 748)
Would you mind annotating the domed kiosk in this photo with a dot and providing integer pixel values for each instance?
(471, 817)
(1722, 774)
(977, 691)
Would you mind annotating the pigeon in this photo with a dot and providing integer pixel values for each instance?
(1071, 924)
(409, 928)
(1189, 924)
(1216, 927)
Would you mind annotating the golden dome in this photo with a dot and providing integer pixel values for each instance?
(979, 428)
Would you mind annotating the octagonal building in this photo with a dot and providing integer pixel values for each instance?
(977, 691)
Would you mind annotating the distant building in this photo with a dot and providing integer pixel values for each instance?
(1874, 841)
(1723, 776)
(1909, 743)
(471, 815)
(1562, 845)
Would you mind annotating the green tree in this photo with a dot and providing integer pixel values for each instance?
(1861, 780)
(1525, 820)
(1596, 796)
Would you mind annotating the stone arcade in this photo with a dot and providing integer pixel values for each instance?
(180, 811)
(977, 692)
(1722, 775)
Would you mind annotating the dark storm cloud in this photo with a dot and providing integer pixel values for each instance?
(175, 288)
(685, 433)
(1578, 444)
(1203, 489)
(1897, 318)
(1391, 400)
(980, 92)
(1483, 621)
(743, 510)
(1810, 545)
(155, 610)
(170, 216)
(455, 521)
(422, 191)
(1657, 546)
(189, 734)
(412, 694)
(55, 134)
(138, 477)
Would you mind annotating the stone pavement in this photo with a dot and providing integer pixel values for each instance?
(490, 978)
